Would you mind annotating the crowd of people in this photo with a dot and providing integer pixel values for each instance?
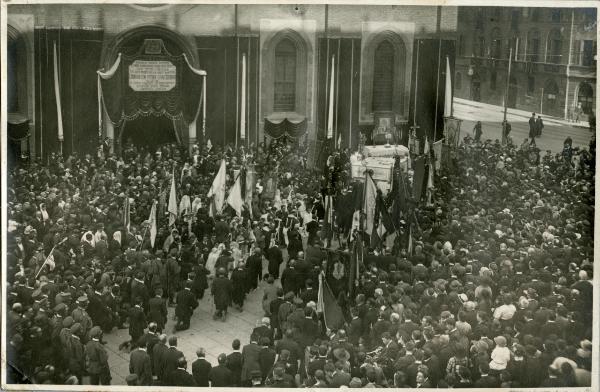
(491, 289)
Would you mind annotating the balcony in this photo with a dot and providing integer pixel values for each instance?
(580, 71)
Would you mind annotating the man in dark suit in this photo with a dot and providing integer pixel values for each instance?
(266, 357)
(157, 309)
(486, 381)
(274, 309)
(201, 369)
(140, 364)
(137, 320)
(219, 375)
(171, 358)
(186, 303)
(264, 330)
(250, 360)
(234, 363)
(254, 268)
(158, 353)
(308, 329)
(309, 294)
(139, 289)
(179, 377)
(355, 327)
(288, 343)
(289, 278)
(221, 291)
(150, 339)
(239, 283)
(275, 258)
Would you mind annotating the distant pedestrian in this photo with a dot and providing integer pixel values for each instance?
(532, 129)
(477, 131)
(539, 126)
(592, 121)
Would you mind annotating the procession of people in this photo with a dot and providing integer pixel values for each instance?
(488, 283)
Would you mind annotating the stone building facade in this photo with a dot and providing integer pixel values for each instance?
(289, 51)
(553, 67)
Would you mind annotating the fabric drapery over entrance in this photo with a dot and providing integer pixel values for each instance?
(151, 82)
(18, 127)
(279, 126)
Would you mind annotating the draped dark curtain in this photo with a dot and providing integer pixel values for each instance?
(277, 128)
(181, 102)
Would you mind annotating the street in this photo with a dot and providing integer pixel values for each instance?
(491, 116)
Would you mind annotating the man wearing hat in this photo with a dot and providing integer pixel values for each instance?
(81, 316)
(97, 359)
(221, 290)
(74, 352)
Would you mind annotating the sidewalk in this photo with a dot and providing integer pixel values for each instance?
(520, 113)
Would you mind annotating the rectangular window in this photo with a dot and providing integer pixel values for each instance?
(530, 85)
(514, 19)
(534, 50)
(589, 51)
(493, 77)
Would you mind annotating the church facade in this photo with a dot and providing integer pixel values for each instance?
(313, 71)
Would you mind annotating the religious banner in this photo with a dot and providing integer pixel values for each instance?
(452, 131)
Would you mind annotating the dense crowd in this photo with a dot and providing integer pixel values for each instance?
(493, 290)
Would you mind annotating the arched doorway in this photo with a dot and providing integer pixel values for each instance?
(585, 97)
(156, 102)
(149, 131)
(475, 88)
(513, 90)
(550, 97)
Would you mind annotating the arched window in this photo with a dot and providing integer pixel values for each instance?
(383, 77)
(585, 97)
(532, 51)
(554, 47)
(285, 76)
(458, 81)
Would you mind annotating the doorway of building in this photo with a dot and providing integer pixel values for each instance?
(551, 97)
(148, 131)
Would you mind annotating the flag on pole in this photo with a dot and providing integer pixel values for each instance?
(437, 152)
(172, 207)
(152, 223)
(217, 190)
(430, 186)
(327, 303)
(448, 95)
(331, 95)
(208, 145)
(235, 197)
(127, 212)
(243, 103)
(59, 121)
(370, 202)
(410, 244)
(339, 141)
(250, 183)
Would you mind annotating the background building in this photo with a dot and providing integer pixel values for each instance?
(290, 50)
(553, 58)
